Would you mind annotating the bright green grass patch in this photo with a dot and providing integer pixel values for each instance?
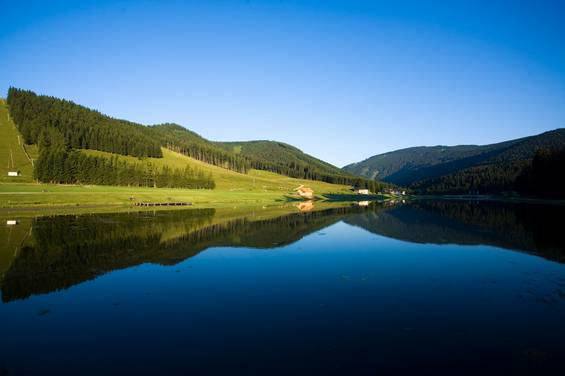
(48, 195)
(12, 150)
(253, 181)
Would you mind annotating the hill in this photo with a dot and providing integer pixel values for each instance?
(60, 128)
(458, 169)
(228, 180)
(286, 159)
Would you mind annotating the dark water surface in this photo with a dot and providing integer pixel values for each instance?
(431, 287)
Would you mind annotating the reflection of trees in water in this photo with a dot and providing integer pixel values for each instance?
(65, 250)
(62, 251)
(527, 227)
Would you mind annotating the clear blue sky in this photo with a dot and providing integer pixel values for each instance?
(342, 80)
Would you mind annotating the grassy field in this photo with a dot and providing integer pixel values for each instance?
(12, 150)
(254, 188)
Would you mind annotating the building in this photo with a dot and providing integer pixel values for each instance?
(11, 222)
(305, 192)
(362, 191)
(13, 173)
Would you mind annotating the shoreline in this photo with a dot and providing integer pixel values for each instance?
(524, 200)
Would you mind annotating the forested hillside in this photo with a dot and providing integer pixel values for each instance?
(459, 169)
(60, 127)
(288, 160)
(39, 118)
(545, 176)
(181, 140)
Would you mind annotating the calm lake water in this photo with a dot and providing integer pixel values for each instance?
(430, 287)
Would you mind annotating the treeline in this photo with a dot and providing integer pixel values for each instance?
(304, 171)
(61, 166)
(540, 177)
(545, 177)
(287, 160)
(80, 127)
(486, 179)
(183, 141)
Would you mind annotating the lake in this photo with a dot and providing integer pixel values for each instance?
(433, 287)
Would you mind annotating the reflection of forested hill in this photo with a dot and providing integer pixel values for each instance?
(62, 251)
(532, 228)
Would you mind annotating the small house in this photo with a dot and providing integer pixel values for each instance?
(305, 192)
(363, 203)
(361, 191)
(13, 173)
(11, 222)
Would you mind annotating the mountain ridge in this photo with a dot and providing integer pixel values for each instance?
(426, 167)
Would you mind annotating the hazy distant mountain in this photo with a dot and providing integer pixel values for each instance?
(458, 169)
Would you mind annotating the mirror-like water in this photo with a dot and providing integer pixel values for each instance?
(429, 286)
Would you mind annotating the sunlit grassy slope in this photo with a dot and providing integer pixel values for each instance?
(233, 189)
(253, 181)
(12, 150)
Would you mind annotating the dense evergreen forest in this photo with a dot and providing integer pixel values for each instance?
(81, 128)
(288, 160)
(539, 177)
(545, 176)
(463, 169)
(72, 167)
(60, 126)
(181, 140)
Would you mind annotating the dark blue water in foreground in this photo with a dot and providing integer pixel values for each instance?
(451, 288)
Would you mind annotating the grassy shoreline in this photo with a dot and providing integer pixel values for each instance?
(32, 196)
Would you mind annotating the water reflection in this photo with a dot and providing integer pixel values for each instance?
(55, 252)
(531, 228)
(50, 253)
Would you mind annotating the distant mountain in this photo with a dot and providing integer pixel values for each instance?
(458, 169)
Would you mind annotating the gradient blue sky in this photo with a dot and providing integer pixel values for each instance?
(342, 80)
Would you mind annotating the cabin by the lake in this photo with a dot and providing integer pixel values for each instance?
(362, 191)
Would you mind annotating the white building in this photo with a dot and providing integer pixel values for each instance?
(13, 173)
(362, 191)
